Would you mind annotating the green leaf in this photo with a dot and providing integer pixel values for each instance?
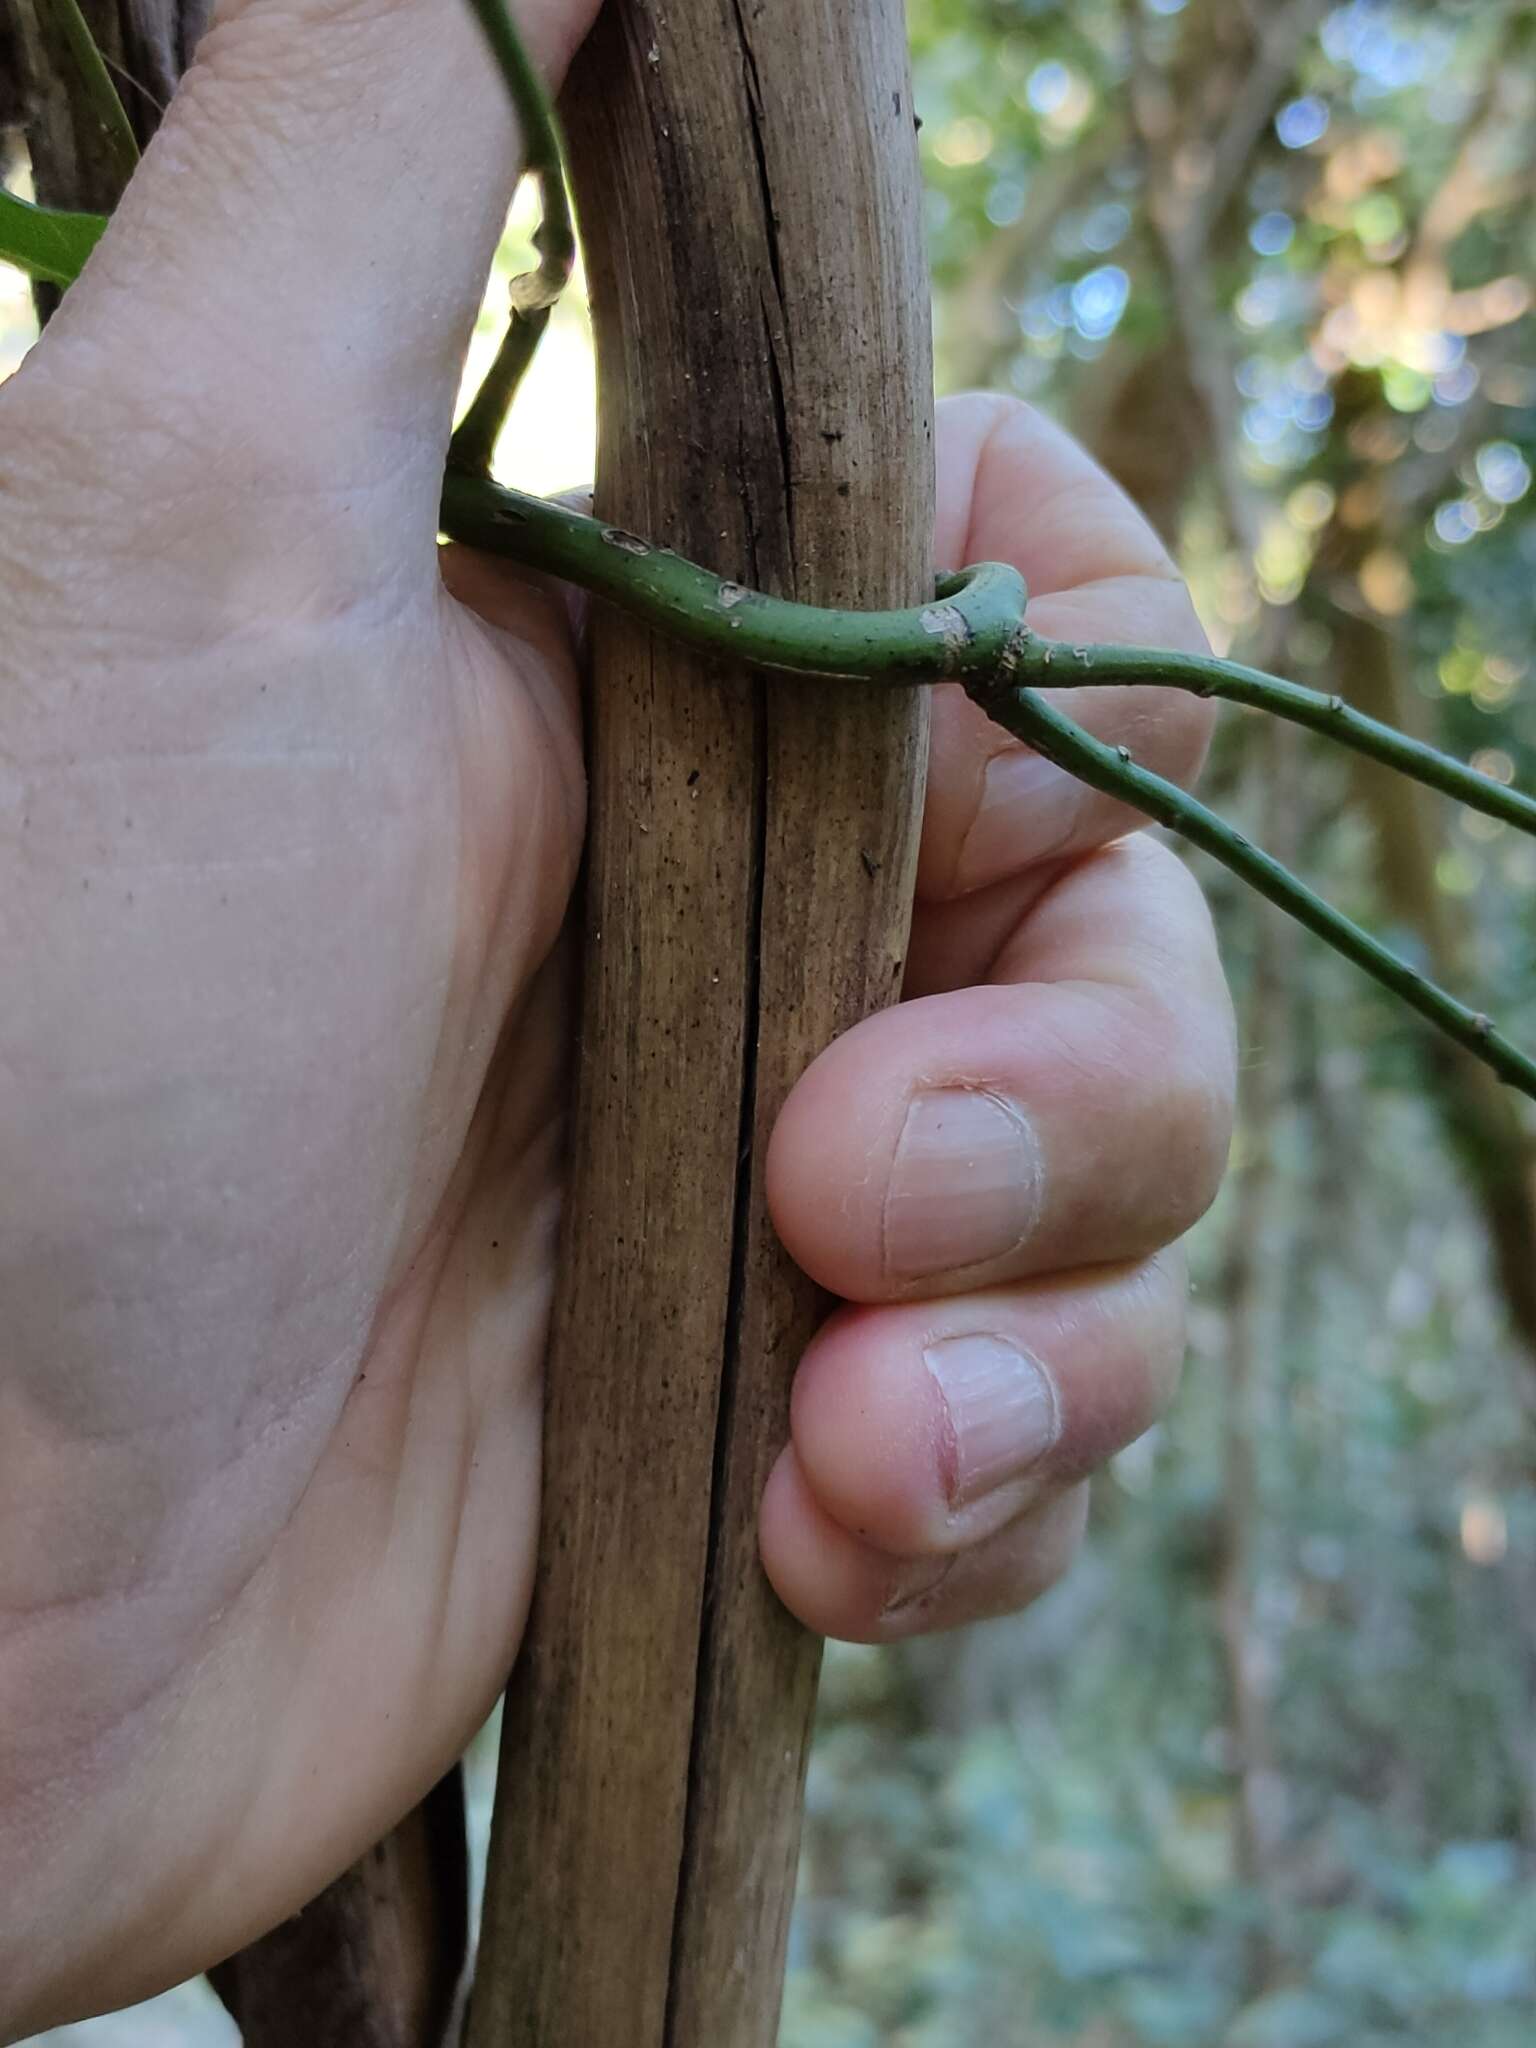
(46, 244)
(118, 138)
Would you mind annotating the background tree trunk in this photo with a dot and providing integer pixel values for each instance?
(376, 1960)
(749, 187)
(1256, 1232)
(1483, 1123)
(1170, 414)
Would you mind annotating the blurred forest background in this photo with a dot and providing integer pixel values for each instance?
(1262, 1773)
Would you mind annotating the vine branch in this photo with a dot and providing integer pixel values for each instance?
(973, 632)
(534, 294)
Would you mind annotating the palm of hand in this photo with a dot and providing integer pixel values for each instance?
(293, 836)
(321, 867)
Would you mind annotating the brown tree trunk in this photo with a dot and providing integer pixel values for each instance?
(1153, 446)
(1253, 1260)
(750, 192)
(147, 45)
(1146, 422)
(376, 1960)
(1481, 1119)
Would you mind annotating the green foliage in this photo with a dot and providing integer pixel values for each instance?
(47, 245)
(1032, 1835)
(1058, 1865)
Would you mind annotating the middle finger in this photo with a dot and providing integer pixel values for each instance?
(1073, 1111)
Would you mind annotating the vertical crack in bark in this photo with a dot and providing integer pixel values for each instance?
(754, 93)
(775, 325)
(759, 544)
(783, 434)
(641, 1884)
(731, 1364)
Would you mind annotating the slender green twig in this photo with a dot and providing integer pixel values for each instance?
(534, 294)
(972, 633)
(101, 95)
(1048, 663)
(1027, 715)
(971, 625)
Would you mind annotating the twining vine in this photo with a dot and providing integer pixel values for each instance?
(974, 631)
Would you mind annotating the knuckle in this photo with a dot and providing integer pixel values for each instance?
(989, 411)
(1038, 1556)
(1139, 1375)
(1164, 1281)
(1197, 1112)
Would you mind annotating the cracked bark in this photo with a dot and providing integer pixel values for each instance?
(749, 185)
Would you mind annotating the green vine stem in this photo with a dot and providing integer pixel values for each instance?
(533, 295)
(44, 243)
(972, 633)
(971, 628)
(101, 96)
(1074, 667)
(1112, 769)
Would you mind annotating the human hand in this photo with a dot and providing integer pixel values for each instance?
(992, 1173)
(287, 837)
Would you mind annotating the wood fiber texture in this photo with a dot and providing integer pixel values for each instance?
(747, 178)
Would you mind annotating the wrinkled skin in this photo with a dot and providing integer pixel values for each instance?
(290, 810)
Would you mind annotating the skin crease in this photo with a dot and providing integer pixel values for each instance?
(290, 811)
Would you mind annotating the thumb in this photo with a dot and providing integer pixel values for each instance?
(296, 265)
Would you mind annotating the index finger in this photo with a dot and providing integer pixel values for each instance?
(1014, 487)
(1071, 1111)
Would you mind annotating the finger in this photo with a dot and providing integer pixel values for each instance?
(842, 1587)
(926, 1427)
(955, 944)
(1073, 1111)
(495, 585)
(296, 265)
(1015, 488)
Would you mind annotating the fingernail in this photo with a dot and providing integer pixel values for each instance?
(1000, 1409)
(965, 1183)
(1029, 808)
